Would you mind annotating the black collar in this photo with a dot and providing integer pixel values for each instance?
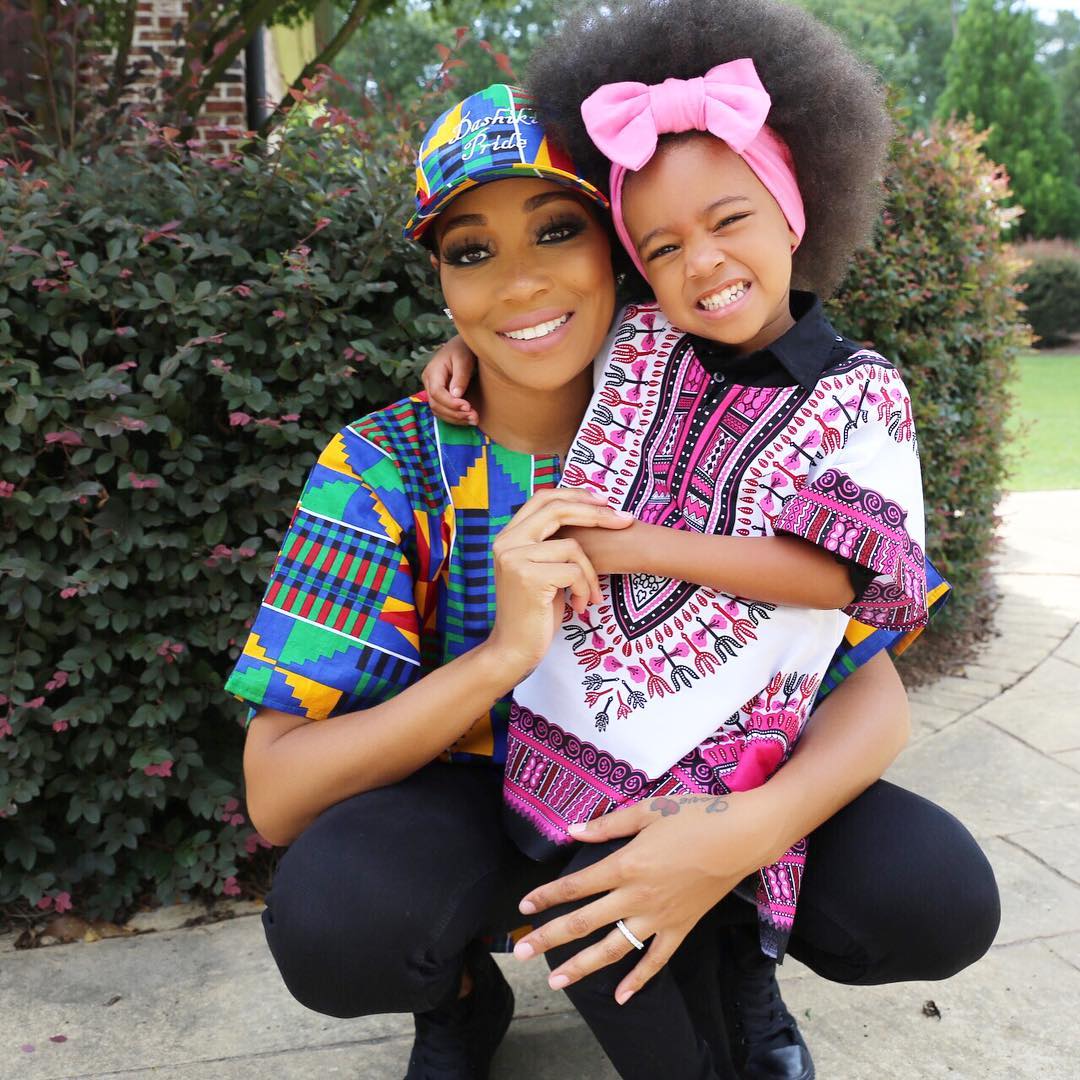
(801, 354)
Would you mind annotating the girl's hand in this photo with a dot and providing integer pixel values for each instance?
(612, 553)
(446, 377)
(687, 854)
(532, 569)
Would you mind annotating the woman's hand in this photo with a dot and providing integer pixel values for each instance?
(532, 569)
(446, 378)
(687, 853)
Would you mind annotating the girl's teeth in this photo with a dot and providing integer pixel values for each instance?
(540, 330)
(724, 297)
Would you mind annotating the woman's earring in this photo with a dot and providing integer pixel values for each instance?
(448, 313)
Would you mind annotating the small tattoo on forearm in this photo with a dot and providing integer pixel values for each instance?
(664, 806)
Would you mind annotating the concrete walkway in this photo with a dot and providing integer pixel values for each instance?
(206, 1002)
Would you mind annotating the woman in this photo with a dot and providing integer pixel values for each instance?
(420, 581)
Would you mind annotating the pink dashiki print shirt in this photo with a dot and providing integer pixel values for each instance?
(667, 687)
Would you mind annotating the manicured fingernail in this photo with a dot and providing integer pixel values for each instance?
(623, 996)
(576, 829)
(557, 982)
(527, 907)
(523, 950)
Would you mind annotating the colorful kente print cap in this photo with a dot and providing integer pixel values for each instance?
(491, 135)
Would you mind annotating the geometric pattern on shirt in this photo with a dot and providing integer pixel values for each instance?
(385, 571)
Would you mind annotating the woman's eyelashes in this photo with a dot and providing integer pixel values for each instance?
(467, 253)
(561, 229)
(472, 252)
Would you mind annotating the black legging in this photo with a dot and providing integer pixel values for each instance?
(372, 907)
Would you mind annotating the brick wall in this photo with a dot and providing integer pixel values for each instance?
(225, 107)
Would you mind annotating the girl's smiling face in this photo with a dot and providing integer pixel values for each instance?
(525, 268)
(715, 245)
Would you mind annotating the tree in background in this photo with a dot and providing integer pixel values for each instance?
(1059, 52)
(993, 76)
(392, 56)
(906, 40)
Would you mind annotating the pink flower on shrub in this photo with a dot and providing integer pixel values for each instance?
(239, 419)
(170, 226)
(60, 725)
(59, 679)
(170, 650)
(140, 482)
(58, 902)
(64, 438)
(7, 489)
(162, 768)
(230, 888)
(254, 842)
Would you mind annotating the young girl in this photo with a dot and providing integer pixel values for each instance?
(779, 457)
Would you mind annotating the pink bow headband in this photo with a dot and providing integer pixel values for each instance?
(625, 119)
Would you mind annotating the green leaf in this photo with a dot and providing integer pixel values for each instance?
(165, 286)
(214, 528)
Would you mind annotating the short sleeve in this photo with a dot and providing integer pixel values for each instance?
(862, 499)
(337, 629)
(862, 642)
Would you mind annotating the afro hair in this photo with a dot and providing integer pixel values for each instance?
(827, 105)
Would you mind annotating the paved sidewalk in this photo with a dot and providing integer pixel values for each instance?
(206, 1003)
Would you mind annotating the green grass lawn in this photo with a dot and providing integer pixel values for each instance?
(1044, 453)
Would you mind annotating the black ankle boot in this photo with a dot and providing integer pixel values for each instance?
(765, 1040)
(457, 1041)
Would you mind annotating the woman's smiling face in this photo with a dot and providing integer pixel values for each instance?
(526, 271)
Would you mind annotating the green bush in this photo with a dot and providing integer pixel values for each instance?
(178, 334)
(936, 296)
(1051, 290)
